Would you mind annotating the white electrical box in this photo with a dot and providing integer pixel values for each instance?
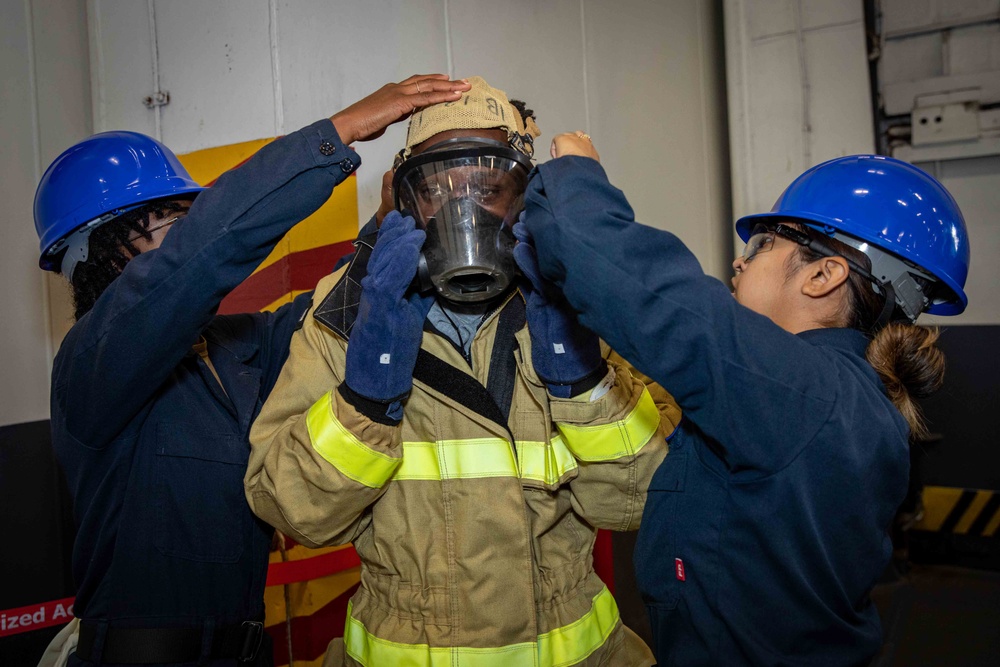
(940, 124)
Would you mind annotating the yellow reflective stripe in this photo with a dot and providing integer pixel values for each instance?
(546, 463)
(572, 643)
(372, 651)
(485, 457)
(340, 447)
(563, 646)
(457, 459)
(607, 442)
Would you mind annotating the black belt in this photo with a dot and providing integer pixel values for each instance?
(149, 646)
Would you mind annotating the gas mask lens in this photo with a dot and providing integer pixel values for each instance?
(466, 195)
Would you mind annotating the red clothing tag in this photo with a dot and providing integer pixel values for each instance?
(679, 569)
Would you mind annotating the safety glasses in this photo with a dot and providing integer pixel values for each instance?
(762, 240)
(161, 225)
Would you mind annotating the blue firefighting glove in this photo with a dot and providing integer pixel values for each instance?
(566, 355)
(385, 339)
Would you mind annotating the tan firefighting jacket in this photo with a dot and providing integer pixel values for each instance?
(475, 549)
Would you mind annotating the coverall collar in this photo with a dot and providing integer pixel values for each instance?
(848, 340)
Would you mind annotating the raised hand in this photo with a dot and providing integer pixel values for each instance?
(573, 143)
(384, 342)
(393, 102)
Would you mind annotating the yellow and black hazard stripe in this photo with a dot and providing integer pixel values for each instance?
(972, 512)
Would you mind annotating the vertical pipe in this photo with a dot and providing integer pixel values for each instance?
(720, 235)
(154, 46)
(98, 103)
(946, 52)
(586, 84)
(738, 49)
(447, 41)
(36, 146)
(873, 47)
(804, 78)
(279, 104)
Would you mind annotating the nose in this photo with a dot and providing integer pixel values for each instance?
(739, 264)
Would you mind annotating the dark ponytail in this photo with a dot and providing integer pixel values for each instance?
(904, 355)
(910, 365)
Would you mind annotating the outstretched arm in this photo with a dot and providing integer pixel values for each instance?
(643, 292)
(118, 354)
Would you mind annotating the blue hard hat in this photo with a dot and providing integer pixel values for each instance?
(889, 204)
(99, 178)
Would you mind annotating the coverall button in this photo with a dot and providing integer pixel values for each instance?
(326, 148)
(347, 166)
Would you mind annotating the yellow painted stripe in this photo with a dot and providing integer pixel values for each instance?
(938, 503)
(457, 459)
(307, 597)
(336, 220)
(992, 526)
(343, 450)
(299, 552)
(546, 463)
(208, 164)
(982, 497)
(561, 647)
(607, 442)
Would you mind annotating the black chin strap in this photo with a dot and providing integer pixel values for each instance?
(887, 309)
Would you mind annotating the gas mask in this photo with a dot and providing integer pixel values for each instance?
(466, 194)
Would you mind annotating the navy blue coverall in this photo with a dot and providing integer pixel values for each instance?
(153, 448)
(767, 524)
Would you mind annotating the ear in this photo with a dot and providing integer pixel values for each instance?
(824, 276)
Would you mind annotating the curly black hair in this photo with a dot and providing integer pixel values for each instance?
(523, 109)
(110, 249)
